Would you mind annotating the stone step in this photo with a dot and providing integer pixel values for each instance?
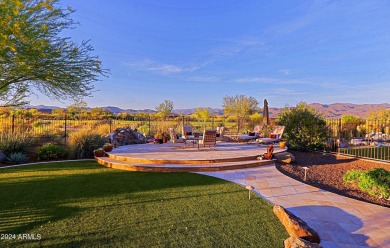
(176, 167)
(129, 158)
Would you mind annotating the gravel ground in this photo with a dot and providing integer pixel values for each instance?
(327, 171)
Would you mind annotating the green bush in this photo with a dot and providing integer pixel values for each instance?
(82, 143)
(50, 151)
(375, 182)
(14, 142)
(305, 128)
(17, 158)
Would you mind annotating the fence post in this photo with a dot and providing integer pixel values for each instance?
(149, 124)
(339, 135)
(213, 123)
(65, 124)
(13, 123)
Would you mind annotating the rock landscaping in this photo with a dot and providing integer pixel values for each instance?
(296, 227)
(126, 136)
(327, 171)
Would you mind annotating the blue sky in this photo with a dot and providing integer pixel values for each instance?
(194, 53)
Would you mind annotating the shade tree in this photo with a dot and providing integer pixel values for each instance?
(35, 58)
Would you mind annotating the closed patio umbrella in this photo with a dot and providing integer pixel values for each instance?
(265, 113)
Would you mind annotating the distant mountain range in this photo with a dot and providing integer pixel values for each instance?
(334, 110)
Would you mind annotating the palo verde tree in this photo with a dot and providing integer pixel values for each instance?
(165, 108)
(305, 128)
(240, 106)
(33, 55)
(202, 114)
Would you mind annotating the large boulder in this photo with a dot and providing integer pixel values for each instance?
(293, 242)
(284, 157)
(296, 227)
(126, 136)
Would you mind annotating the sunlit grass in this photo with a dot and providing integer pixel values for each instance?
(82, 204)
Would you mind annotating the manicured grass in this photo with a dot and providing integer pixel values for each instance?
(82, 204)
(381, 153)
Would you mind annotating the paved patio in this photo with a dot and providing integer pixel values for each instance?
(340, 221)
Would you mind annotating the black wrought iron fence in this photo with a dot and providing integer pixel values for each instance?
(56, 127)
(362, 138)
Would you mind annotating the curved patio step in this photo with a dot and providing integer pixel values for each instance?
(129, 158)
(175, 167)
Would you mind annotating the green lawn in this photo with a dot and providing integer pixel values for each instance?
(82, 204)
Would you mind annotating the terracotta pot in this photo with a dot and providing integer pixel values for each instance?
(282, 144)
(108, 149)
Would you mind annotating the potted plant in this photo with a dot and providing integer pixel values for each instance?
(158, 139)
(196, 134)
(165, 137)
(99, 152)
(107, 147)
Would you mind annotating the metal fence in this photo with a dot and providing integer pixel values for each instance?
(362, 138)
(60, 127)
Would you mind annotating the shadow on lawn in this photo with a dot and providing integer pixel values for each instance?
(32, 200)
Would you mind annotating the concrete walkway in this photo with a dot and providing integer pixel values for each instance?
(340, 221)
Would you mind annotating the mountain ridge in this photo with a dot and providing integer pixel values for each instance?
(334, 110)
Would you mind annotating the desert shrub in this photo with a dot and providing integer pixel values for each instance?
(305, 128)
(375, 182)
(82, 143)
(145, 129)
(253, 120)
(14, 142)
(50, 151)
(102, 129)
(17, 158)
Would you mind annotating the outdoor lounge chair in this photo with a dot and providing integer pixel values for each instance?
(275, 136)
(174, 137)
(209, 138)
(252, 136)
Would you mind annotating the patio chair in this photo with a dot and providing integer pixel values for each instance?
(174, 137)
(221, 133)
(209, 138)
(275, 136)
(186, 131)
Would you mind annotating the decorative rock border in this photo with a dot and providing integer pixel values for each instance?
(297, 229)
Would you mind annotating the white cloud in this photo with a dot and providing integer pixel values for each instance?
(160, 68)
(203, 79)
(285, 71)
(270, 80)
